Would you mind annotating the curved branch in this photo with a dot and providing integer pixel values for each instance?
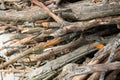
(30, 14)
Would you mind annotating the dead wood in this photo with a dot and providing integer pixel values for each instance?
(71, 70)
(20, 42)
(59, 62)
(87, 10)
(40, 46)
(55, 17)
(118, 26)
(81, 26)
(30, 14)
(94, 76)
(10, 1)
(32, 30)
(100, 56)
(15, 70)
(112, 75)
(62, 48)
(57, 33)
(80, 13)
(110, 58)
(58, 49)
(11, 51)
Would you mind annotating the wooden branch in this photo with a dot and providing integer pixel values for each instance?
(57, 50)
(86, 11)
(20, 42)
(10, 1)
(32, 30)
(35, 48)
(94, 76)
(113, 75)
(80, 13)
(110, 58)
(30, 14)
(11, 51)
(40, 4)
(15, 71)
(100, 56)
(71, 70)
(81, 26)
(118, 26)
(61, 61)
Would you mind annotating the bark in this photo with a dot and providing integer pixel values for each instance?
(30, 14)
(113, 75)
(40, 4)
(59, 62)
(85, 11)
(71, 70)
(94, 76)
(10, 1)
(100, 56)
(81, 26)
(40, 46)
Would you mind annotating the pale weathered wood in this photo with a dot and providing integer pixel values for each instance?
(71, 70)
(61, 61)
(40, 46)
(85, 11)
(100, 56)
(80, 10)
(30, 14)
(84, 25)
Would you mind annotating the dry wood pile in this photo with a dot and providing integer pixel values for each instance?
(60, 39)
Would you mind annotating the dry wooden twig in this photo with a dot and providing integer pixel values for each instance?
(71, 70)
(99, 56)
(81, 26)
(59, 62)
(40, 46)
(40, 4)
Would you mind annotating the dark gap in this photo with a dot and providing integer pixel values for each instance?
(103, 30)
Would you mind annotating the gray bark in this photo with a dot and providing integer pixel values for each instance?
(79, 11)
